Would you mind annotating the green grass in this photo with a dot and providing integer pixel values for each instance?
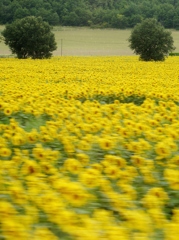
(74, 41)
(86, 41)
(4, 50)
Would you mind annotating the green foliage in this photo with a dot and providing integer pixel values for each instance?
(109, 99)
(30, 37)
(174, 54)
(151, 41)
(96, 13)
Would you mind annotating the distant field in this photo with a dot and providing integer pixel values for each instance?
(73, 41)
(86, 41)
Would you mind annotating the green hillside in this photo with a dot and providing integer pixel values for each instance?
(94, 13)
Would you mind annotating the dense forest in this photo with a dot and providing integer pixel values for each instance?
(94, 13)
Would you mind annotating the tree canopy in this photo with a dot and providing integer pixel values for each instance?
(151, 40)
(30, 37)
(94, 13)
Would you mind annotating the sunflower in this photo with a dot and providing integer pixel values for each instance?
(39, 153)
(106, 143)
(5, 152)
(138, 161)
(112, 172)
(172, 176)
(72, 165)
(90, 178)
(44, 233)
(8, 111)
(163, 150)
(83, 158)
(30, 167)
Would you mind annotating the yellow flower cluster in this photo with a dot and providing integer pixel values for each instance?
(89, 149)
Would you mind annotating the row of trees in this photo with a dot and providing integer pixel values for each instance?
(31, 37)
(95, 13)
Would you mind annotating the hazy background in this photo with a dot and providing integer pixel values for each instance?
(83, 41)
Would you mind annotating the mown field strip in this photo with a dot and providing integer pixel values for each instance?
(73, 41)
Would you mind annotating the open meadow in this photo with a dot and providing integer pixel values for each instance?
(73, 41)
(89, 146)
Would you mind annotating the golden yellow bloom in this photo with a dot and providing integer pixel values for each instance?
(171, 231)
(173, 146)
(45, 138)
(172, 133)
(147, 174)
(44, 233)
(112, 172)
(144, 144)
(77, 197)
(135, 147)
(175, 217)
(126, 176)
(75, 194)
(72, 165)
(30, 167)
(7, 111)
(138, 160)
(143, 221)
(174, 160)
(70, 147)
(14, 230)
(103, 216)
(110, 158)
(151, 201)
(17, 159)
(97, 166)
(128, 190)
(106, 143)
(116, 160)
(39, 153)
(158, 217)
(47, 168)
(5, 152)
(91, 178)
(159, 193)
(162, 150)
(84, 145)
(18, 194)
(32, 136)
(3, 142)
(6, 210)
(172, 176)
(32, 212)
(141, 236)
(117, 232)
(83, 158)
(18, 139)
(131, 171)
(150, 136)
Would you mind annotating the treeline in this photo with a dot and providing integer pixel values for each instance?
(94, 13)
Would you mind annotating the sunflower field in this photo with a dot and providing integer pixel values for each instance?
(89, 149)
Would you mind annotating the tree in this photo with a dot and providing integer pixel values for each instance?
(151, 40)
(30, 37)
